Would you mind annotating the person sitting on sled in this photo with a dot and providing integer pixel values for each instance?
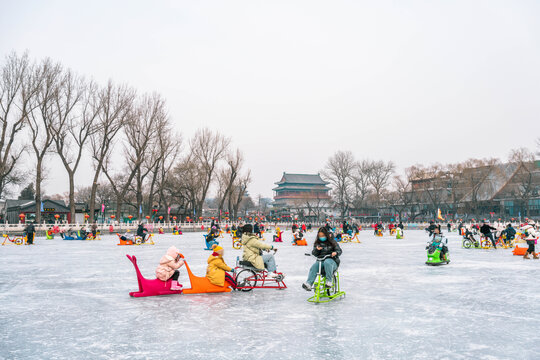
(127, 236)
(324, 245)
(216, 270)
(142, 232)
(253, 248)
(83, 234)
(509, 234)
(439, 241)
(297, 235)
(168, 267)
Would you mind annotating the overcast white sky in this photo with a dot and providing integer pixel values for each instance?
(291, 81)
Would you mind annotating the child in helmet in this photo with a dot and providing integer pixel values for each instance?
(168, 267)
(440, 241)
(217, 269)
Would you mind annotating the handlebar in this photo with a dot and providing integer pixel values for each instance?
(320, 258)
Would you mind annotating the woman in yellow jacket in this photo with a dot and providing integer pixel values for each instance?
(216, 270)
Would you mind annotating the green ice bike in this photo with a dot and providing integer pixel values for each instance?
(324, 294)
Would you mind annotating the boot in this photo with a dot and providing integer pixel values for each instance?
(526, 256)
(175, 286)
(535, 256)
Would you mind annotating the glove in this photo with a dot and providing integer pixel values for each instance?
(232, 270)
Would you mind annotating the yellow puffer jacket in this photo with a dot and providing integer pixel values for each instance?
(252, 250)
(215, 272)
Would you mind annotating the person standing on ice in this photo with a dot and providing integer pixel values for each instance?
(531, 237)
(253, 248)
(449, 226)
(324, 245)
(485, 229)
(168, 267)
(30, 230)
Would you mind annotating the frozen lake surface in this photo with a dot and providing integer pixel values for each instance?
(69, 300)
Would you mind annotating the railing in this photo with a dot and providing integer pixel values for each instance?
(168, 226)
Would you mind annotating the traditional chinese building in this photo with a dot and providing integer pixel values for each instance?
(305, 193)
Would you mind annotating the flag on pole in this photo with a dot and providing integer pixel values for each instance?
(439, 216)
(140, 209)
(41, 209)
(102, 208)
(169, 210)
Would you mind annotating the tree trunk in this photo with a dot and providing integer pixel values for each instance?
(93, 193)
(71, 197)
(38, 191)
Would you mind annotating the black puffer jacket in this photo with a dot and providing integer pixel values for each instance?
(328, 247)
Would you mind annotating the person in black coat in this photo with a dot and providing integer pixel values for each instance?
(142, 232)
(431, 227)
(324, 245)
(30, 230)
(485, 229)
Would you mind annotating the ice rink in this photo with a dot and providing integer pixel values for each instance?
(69, 300)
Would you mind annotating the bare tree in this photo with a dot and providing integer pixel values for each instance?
(207, 149)
(380, 176)
(18, 86)
(141, 130)
(41, 118)
(361, 180)
(168, 149)
(338, 172)
(227, 177)
(76, 111)
(525, 178)
(475, 174)
(238, 191)
(115, 105)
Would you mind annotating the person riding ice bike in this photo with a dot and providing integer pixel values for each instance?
(440, 242)
(324, 245)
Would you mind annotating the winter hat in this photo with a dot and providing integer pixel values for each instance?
(216, 248)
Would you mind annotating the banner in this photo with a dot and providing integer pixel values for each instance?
(102, 208)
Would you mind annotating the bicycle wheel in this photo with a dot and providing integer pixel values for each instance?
(138, 240)
(467, 243)
(246, 279)
(18, 241)
(236, 244)
(486, 244)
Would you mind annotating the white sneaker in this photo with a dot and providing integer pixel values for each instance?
(306, 286)
(273, 275)
(329, 284)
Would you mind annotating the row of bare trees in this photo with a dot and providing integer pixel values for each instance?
(473, 187)
(138, 158)
(355, 183)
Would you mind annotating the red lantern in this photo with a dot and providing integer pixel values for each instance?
(130, 217)
(86, 216)
(22, 216)
(154, 210)
(200, 217)
(174, 218)
(239, 218)
(213, 218)
(160, 217)
(147, 217)
(113, 216)
(56, 216)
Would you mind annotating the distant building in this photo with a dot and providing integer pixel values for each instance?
(307, 194)
(28, 207)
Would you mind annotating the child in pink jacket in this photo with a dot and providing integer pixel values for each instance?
(168, 267)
